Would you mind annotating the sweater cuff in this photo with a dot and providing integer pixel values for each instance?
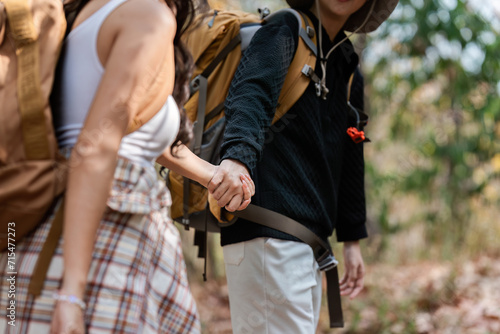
(243, 153)
(352, 233)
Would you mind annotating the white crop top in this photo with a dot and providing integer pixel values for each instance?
(81, 75)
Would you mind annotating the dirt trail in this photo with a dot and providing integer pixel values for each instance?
(423, 298)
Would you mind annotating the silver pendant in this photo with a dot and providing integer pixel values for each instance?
(318, 89)
(324, 92)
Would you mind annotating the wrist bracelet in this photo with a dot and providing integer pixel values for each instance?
(72, 299)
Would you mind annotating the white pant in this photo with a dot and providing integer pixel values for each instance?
(274, 287)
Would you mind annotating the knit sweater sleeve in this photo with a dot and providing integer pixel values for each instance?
(351, 216)
(254, 91)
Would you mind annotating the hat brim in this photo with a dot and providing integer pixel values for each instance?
(381, 11)
(300, 4)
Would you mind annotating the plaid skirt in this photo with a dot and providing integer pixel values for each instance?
(137, 282)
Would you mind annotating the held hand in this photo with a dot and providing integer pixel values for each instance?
(67, 319)
(352, 282)
(229, 185)
(248, 190)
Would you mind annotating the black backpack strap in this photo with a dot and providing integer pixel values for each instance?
(200, 83)
(322, 252)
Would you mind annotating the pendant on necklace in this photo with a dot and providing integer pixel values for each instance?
(324, 91)
(318, 89)
(321, 90)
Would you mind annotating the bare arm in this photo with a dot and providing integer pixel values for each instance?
(136, 46)
(189, 165)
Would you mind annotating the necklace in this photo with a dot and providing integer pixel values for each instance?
(321, 89)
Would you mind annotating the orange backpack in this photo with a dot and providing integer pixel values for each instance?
(32, 173)
(216, 42)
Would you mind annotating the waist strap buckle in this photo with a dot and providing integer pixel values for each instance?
(327, 263)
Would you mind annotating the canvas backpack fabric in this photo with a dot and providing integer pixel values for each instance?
(32, 173)
(216, 42)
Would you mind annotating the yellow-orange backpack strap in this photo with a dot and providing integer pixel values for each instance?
(32, 103)
(296, 81)
(294, 85)
(30, 97)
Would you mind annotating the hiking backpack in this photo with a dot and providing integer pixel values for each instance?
(217, 41)
(32, 173)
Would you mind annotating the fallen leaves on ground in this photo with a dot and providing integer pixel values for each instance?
(421, 298)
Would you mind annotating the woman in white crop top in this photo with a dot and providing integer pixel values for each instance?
(119, 266)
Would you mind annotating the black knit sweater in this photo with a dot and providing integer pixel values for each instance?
(305, 166)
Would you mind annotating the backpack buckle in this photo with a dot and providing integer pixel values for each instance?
(264, 12)
(307, 71)
(310, 31)
(185, 223)
(194, 85)
(327, 263)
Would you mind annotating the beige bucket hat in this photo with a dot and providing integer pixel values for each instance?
(381, 11)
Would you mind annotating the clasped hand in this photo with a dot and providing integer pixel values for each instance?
(231, 185)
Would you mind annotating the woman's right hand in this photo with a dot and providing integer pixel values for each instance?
(231, 185)
(67, 319)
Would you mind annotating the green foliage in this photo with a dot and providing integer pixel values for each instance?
(433, 85)
(433, 82)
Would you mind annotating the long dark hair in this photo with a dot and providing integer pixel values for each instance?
(185, 11)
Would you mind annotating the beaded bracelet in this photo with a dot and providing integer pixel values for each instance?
(70, 299)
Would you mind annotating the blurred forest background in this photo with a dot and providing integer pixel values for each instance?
(432, 77)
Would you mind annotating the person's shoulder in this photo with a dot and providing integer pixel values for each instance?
(284, 17)
(148, 15)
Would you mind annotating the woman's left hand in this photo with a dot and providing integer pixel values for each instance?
(67, 319)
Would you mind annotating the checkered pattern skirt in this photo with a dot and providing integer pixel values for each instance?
(137, 282)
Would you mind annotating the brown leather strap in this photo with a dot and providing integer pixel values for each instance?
(42, 265)
(320, 249)
(277, 221)
(333, 295)
(30, 97)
